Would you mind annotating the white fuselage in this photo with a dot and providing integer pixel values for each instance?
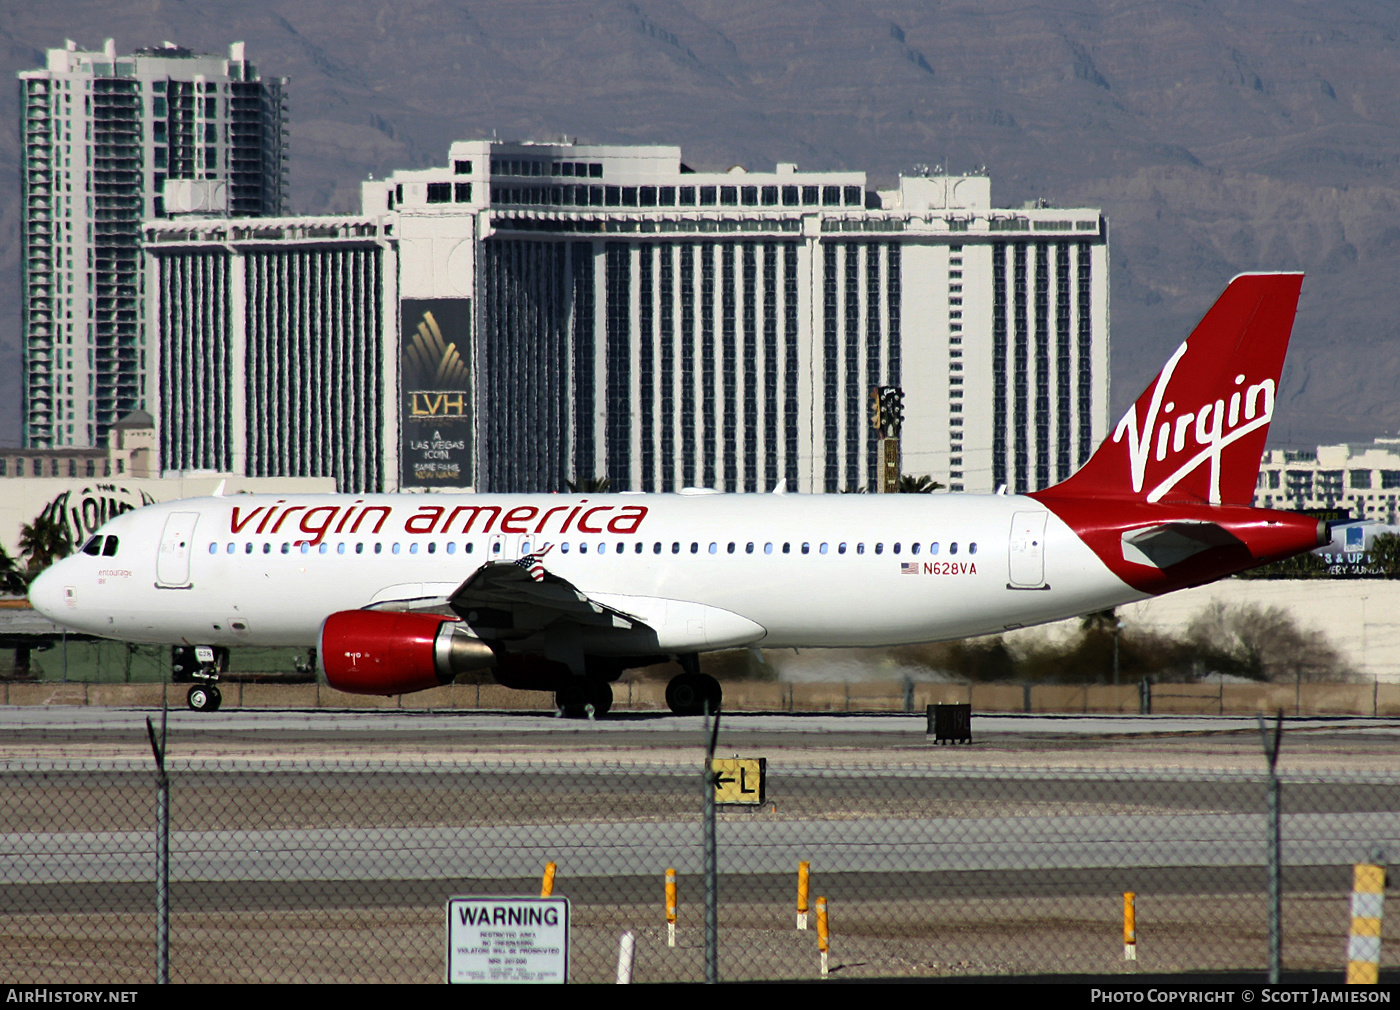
(792, 570)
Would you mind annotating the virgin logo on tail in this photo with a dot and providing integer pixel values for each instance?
(1196, 434)
(1209, 429)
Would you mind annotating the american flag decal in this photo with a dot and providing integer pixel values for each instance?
(908, 568)
(531, 562)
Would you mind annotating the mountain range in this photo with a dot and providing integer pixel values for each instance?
(1218, 136)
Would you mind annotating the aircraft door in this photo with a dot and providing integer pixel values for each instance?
(173, 561)
(1028, 550)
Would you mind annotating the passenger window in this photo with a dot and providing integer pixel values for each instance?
(638, 549)
(972, 548)
(395, 548)
(933, 548)
(694, 547)
(583, 548)
(451, 547)
(767, 548)
(267, 547)
(953, 547)
(675, 547)
(823, 548)
(914, 548)
(879, 548)
(564, 547)
(379, 548)
(324, 548)
(787, 547)
(806, 548)
(340, 548)
(305, 547)
(714, 548)
(656, 547)
(860, 548)
(286, 547)
(230, 548)
(248, 548)
(213, 548)
(841, 549)
(468, 547)
(731, 547)
(360, 548)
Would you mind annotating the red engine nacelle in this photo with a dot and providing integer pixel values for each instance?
(389, 652)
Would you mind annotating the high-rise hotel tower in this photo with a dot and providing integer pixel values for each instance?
(109, 142)
(529, 313)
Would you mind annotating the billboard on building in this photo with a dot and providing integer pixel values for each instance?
(435, 411)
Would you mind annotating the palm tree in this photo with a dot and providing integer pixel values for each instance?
(43, 542)
(909, 484)
(1385, 554)
(14, 580)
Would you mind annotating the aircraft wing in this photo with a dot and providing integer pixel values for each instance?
(519, 601)
(510, 602)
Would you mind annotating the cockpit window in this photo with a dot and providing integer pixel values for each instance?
(109, 549)
(93, 547)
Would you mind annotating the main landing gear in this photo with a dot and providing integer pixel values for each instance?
(584, 699)
(692, 692)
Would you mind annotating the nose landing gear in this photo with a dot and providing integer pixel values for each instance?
(204, 696)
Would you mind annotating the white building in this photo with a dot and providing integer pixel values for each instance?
(108, 142)
(1363, 478)
(529, 313)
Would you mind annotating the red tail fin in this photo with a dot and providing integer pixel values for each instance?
(1197, 432)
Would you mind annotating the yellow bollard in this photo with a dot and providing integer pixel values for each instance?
(804, 870)
(823, 933)
(547, 885)
(1364, 947)
(670, 907)
(1129, 926)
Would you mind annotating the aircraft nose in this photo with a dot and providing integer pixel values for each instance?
(47, 593)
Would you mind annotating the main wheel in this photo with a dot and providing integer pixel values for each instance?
(202, 698)
(600, 696)
(690, 693)
(216, 698)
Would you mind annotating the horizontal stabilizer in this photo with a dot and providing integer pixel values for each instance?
(1169, 544)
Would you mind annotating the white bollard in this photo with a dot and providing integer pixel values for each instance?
(626, 948)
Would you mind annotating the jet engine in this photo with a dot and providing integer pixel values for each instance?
(394, 652)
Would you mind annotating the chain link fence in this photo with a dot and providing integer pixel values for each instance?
(336, 866)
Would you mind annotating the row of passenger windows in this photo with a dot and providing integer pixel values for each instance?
(583, 547)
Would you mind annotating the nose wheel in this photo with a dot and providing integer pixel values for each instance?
(204, 698)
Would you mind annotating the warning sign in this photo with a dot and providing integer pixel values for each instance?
(508, 940)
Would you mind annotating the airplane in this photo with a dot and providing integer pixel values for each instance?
(401, 593)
